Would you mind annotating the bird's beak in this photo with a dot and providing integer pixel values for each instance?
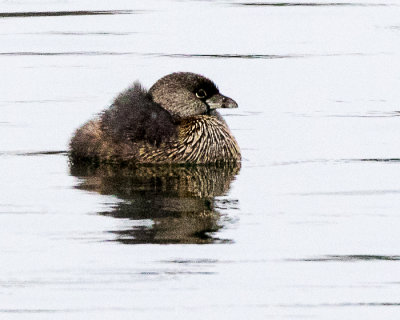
(220, 101)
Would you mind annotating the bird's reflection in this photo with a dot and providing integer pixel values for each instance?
(178, 201)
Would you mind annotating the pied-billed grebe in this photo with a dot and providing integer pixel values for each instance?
(174, 122)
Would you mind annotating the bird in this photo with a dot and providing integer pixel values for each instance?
(174, 122)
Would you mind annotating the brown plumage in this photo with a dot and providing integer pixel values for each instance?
(174, 122)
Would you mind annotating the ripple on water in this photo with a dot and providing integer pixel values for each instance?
(65, 13)
(313, 4)
(349, 258)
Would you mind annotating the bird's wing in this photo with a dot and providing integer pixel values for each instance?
(135, 117)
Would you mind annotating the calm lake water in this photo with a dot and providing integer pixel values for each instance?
(307, 227)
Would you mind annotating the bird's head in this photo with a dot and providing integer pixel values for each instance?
(186, 94)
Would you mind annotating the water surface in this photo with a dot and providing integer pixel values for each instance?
(306, 228)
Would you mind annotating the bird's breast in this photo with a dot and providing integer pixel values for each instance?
(205, 138)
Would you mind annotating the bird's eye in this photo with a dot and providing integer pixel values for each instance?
(201, 94)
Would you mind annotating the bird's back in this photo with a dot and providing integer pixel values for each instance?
(133, 121)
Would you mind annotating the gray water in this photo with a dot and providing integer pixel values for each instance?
(307, 228)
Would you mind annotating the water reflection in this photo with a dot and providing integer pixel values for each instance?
(168, 204)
